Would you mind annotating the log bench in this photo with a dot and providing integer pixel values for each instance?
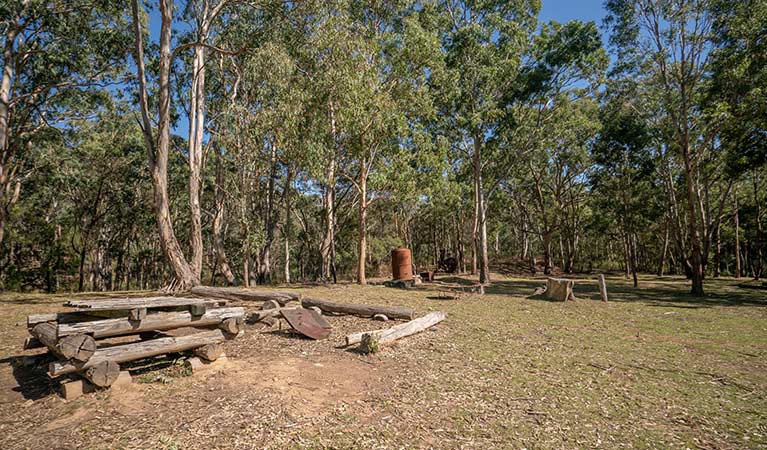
(76, 337)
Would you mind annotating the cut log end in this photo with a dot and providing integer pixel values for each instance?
(210, 352)
(79, 347)
(137, 314)
(103, 374)
(232, 326)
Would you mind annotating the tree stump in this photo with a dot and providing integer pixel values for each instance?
(559, 289)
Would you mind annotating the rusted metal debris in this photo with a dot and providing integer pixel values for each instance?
(307, 322)
(401, 264)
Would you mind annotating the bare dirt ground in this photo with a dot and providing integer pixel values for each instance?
(654, 368)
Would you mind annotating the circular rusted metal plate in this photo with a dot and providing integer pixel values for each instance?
(308, 323)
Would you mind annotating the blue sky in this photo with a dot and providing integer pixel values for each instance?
(559, 10)
(564, 10)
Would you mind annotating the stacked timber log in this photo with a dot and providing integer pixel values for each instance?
(76, 337)
(244, 294)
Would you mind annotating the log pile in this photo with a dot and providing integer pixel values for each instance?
(77, 337)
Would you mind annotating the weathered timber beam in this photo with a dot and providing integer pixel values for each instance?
(370, 341)
(137, 350)
(150, 322)
(245, 294)
(392, 312)
(141, 302)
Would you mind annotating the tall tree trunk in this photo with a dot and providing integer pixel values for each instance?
(664, 250)
(218, 223)
(738, 264)
(5, 123)
(327, 248)
(363, 213)
(694, 216)
(484, 264)
(287, 229)
(718, 250)
(196, 123)
(265, 254)
(157, 151)
(758, 260)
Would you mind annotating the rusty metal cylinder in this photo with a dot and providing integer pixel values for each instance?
(401, 264)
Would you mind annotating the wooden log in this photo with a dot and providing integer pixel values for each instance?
(151, 322)
(103, 373)
(63, 317)
(233, 325)
(560, 289)
(137, 350)
(209, 352)
(370, 341)
(245, 294)
(603, 287)
(32, 342)
(141, 302)
(381, 318)
(392, 312)
(137, 314)
(79, 347)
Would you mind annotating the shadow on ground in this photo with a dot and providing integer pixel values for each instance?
(30, 373)
(673, 292)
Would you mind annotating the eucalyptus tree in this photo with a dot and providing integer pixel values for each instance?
(738, 93)
(672, 41)
(551, 119)
(622, 177)
(201, 14)
(57, 58)
(483, 43)
(158, 143)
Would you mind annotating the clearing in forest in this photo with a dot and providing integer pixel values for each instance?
(652, 368)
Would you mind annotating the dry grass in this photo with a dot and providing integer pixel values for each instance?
(654, 368)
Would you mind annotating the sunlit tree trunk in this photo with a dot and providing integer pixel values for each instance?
(481, 211)
(218, 223)
(362, 229)
(157, 150)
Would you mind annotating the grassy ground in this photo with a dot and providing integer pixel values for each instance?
(654, 368)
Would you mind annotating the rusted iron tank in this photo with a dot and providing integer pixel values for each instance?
(401, 264)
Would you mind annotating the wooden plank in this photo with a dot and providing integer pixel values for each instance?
(151, 322)
(370, 340)
(137, 350)
(245, 294)
(61, 317)
(392, 312)
(141, 302)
